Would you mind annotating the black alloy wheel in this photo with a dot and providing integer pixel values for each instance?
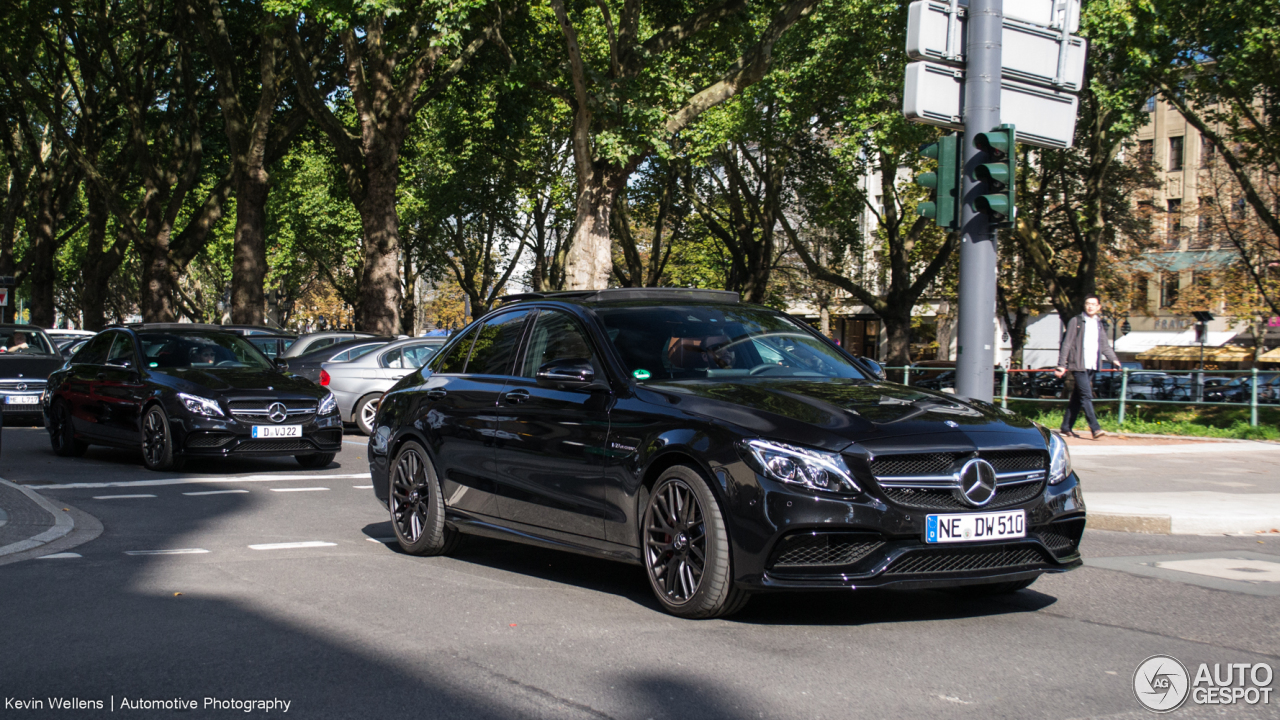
(416, 505)
(157, 441)
(686, 548)
(62, 434)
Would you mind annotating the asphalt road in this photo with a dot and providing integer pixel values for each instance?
(344, 626)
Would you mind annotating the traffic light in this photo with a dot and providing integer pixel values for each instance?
(999, 172)
(945, 209)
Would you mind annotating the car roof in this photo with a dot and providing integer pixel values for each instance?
(22, 327)
(257, 330)
(655, 296)
(338, 347)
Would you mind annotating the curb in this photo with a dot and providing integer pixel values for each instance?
(1148, 524)
(1197, 438)
(63, 524)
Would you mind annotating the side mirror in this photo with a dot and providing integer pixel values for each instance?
(281, 364)
(567, 374)
(876, 368)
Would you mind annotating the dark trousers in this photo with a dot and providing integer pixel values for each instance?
(1081, 396)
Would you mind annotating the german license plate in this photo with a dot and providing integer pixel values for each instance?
(277, 431)
(975, 527)
(22, 399)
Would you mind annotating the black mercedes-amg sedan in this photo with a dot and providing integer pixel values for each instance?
(727, 448)
(179, 391)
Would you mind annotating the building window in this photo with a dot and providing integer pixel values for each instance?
(1138, 298)
(1175, 153)
(1168, 290)
(1204, 224)
(1239, 208)
(1151, 104)
(1146, 150)
(1208, 152)
(1173, 220)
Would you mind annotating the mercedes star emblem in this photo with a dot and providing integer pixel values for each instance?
(277, 412)
(951, 423)
(22, 386)
(978, 482)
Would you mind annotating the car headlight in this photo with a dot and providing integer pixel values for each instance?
(812, 469)
(200, 405)
(1059, 459)
(328, 405)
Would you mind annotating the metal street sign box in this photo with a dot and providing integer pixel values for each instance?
(1030, 53)
(7, 281)
(4, 297)
(1045, 13)
(1045, 118)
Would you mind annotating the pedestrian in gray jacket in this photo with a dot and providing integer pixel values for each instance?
(1084, 344)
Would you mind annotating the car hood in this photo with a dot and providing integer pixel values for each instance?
(29, 366)
(230, 379)
(831, 414)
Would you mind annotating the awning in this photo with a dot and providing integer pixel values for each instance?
(1229, 353)
(1185, 260)
(1272, 355)
(1136, 342)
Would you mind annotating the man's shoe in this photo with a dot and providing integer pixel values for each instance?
(1068, 433)
(1099, 434)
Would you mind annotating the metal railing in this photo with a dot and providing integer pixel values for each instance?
(1123, 398)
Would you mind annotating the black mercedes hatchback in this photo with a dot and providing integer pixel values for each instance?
(724, 447)
(180, 391)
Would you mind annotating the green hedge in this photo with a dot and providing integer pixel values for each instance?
(1212, 421)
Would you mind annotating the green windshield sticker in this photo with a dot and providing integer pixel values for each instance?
(155, 364)
(641, 374)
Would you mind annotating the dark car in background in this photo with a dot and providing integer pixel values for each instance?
(180, 393)
(726, 448)
(311, 364)
(312, 342)
(273, 342)
(1239, 389)
(27, 357)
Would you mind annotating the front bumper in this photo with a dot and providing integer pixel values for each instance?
(785, 539)
(222, 437)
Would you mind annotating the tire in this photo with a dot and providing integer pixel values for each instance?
(365, 412)
(312, 462)
(992, 589)
(417, 505)
(686, 548)
(62, 434)
(157, 441)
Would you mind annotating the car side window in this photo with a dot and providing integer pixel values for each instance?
(496, 344)
(415, 356)
(95, 351)
(456, 360)
(393, 359)
(555, 337)
(121, 350)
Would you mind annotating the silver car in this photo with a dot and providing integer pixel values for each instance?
(314, 341)
(358, 384)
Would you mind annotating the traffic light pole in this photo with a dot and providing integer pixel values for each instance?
(975, 333)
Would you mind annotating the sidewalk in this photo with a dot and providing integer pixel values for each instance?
(1180, 486)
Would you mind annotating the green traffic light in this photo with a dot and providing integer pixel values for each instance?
(993, 204)
(929, 180)
(996, 143)
(995, 173)
(930, 151)
(927, 209)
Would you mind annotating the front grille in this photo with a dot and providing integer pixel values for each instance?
(924, 464)
(1015, 460)
(279, 444)
(934, 561)
(208, 440)
(807, 550)
(1061, 537)
(328, 437)
(945, 499)
(30, 385)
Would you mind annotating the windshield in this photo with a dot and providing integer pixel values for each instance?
(25, 342)
(171, 350)
(698, 342)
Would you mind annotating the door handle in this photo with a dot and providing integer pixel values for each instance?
(516, 397)
(437, 393)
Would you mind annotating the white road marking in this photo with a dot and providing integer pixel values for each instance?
(215, 492)
(291, 545)
(177, 551)
(200, 481)
(298, 489)
(384, 541)
(119, 497)
(353, 442)
(361, 487)
(59, 556)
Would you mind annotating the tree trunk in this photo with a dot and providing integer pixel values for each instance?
(378, 306)
(159, 283)
(590, 258)
(249, 264)
(898, 328)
